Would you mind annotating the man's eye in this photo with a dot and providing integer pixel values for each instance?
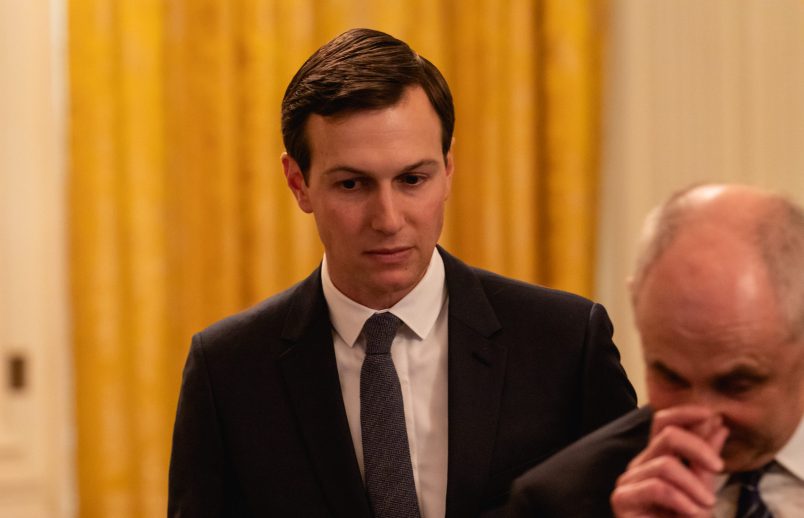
(412, 179)
(349, 184)
(675, 380)
(737, 387)
(740, 384)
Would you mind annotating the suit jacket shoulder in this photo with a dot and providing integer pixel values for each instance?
(260, 419)
(577, 482)
(282, 316)
(558, 341)
(531, 370)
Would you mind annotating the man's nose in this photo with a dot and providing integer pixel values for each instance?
(707, 399)
(386, 216)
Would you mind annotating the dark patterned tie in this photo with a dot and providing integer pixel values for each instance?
(750, 504)
(386, 454)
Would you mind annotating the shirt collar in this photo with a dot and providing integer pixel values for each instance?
(418, 309)
(791, 456)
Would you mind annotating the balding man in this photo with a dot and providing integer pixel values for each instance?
(718, 296)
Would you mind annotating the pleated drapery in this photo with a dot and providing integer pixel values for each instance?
(179, 214)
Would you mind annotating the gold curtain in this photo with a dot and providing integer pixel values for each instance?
(179, 213)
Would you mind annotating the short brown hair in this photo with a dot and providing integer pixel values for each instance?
(362, 69)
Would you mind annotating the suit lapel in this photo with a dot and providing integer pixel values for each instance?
(311, 378)
(476, 374)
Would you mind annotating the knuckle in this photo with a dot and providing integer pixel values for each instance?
(617, 499)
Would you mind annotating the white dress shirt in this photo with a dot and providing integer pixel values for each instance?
(419, 352)
(781, 488)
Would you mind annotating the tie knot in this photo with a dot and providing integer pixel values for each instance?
(750, 479)
(379, 331)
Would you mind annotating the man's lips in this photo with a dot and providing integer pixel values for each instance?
(389, 254)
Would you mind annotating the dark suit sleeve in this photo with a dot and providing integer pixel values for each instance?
(578, 481)
(196, 480)
(606, 393)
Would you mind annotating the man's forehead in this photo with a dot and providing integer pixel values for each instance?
(395, 137)
(410, 93)
(707, 279)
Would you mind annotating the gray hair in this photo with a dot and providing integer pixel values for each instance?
(777, 233)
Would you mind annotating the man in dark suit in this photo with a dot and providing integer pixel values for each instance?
(718, 296)
(297, 407)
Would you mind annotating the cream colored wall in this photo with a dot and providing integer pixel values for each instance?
(697, 90)
(36, 424)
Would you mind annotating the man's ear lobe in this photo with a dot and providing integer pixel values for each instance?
(296, 183)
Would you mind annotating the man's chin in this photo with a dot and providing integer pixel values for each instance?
(393, 282)
(737, 457)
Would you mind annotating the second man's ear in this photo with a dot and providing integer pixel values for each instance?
(296, 182)
(450, 167)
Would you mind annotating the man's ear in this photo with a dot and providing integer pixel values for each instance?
(449, 167)
(296, 183)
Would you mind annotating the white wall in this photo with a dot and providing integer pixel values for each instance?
(697, 90)
(36, 430)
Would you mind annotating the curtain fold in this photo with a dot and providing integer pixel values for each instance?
(179, 214)
(572, 36)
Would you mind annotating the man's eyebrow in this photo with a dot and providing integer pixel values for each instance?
(744, 372)
(667, 372)
(427, 162)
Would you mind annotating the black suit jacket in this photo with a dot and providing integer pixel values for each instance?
(577, 482)
(261, 428)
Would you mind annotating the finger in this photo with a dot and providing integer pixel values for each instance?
(685, 416)
(718, 438)
(680, 443)
(670, 470)
(707, 427)
(707, 477)
(644, 497)
(689, 447)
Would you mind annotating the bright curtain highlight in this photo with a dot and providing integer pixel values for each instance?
(179, 212)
